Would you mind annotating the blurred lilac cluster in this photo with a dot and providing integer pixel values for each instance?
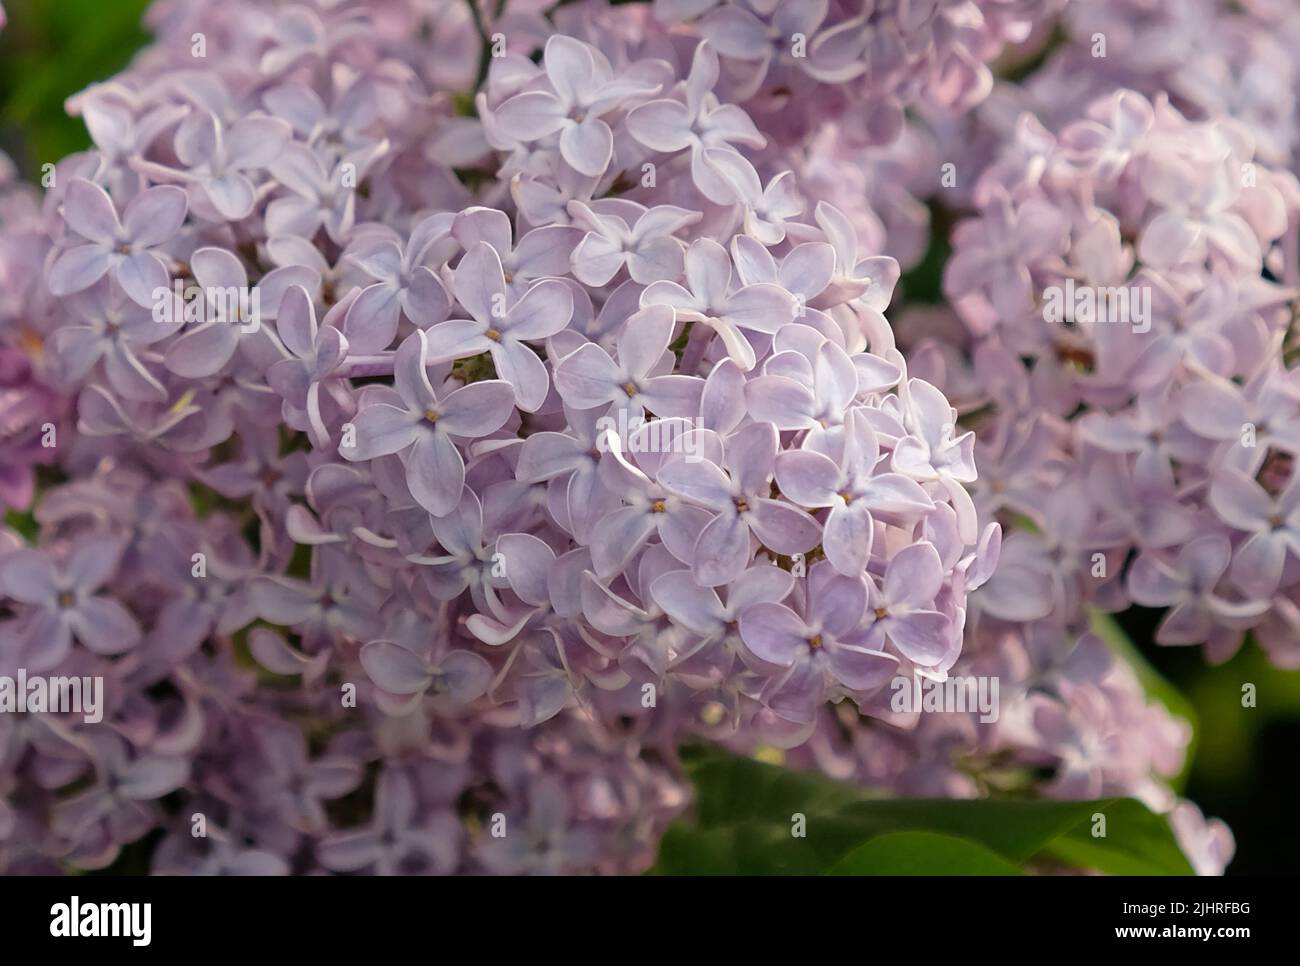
(1155, 414)
(1118, 331)
(445, 410)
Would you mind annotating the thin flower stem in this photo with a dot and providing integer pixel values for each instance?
(485, 55)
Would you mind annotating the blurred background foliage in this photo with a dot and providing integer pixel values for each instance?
(48, 50)
(1244, 770)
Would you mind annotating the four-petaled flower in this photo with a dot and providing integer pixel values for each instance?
(422, 427)
(741, 503)
(843, 475)
(583, 90)
(125, 248)
(501, 329)
(708, 298)
(65, 602)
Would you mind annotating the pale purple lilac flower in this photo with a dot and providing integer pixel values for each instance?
(234, 312)
(698, 123)
(588, 378)
(646, 246)
(502, 327)
(708, 298)
(846, 480)
(583, 89)
(217, 161)
(406, 286)
(824, 639)
(420, 424)
(737, 495)
(63, 603)
(125, 247)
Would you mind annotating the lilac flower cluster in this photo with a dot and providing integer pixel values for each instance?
(1142, 263)
(1212, 59)
(793, 66)
(434, 472)
(441, 414)
(1136, 452)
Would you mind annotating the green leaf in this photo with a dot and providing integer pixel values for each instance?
(1014, 828)
(753, 818)
(758, 848)
(1137, 842)
(24, 523)
(732, 789)
(922, 853)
